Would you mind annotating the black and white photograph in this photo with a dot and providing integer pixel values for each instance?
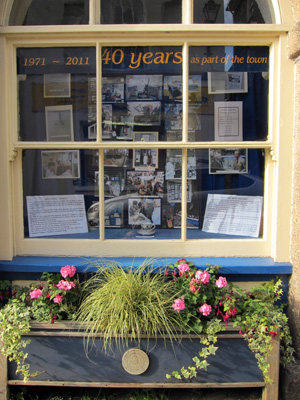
(145, 183)
(145, 113)
(173, 88)
(59, 123)
(228, 161)
(112, 89)
(60, 164)
(57, 85)
(144, 87)
(174, 192)
(145, 158)
(142, 210)
(227, 82)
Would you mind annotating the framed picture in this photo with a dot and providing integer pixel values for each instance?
(228, 121)
(112, 89)
(174, 164)
(59, 123)
(60, 164)
(143, 87)
(173, 116)
(57, 85)
(143, 209)
(228, 161)
(174, 191)
(227, 82)
(145, 183)
(116, 158)
(92, 131)
(145, 158)
(145, 113)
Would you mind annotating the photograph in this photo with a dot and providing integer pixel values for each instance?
(116, 158)
(145, 183)
(112, 89)
(114, 183)
(59, 123)
(57, 85)
(228, 161)
(173, 116)
(145, 113)
(141, 210)
(107, 130)
(114, 216)
(173, 88)
(174, 191)
(145, 158)
(92, 131)
(143, 87)
(58, 164)
(174, 164)
(192, 219)
(228, 121)
(227, 82)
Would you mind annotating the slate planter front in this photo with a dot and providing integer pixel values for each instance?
(57, 351)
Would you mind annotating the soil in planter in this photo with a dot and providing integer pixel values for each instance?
(49, 393)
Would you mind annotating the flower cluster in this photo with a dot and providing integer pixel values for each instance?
(53, 297)
(201, 294)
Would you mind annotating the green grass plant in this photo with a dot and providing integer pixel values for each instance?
(128, 303)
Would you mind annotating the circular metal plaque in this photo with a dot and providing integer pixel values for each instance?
(135, 361)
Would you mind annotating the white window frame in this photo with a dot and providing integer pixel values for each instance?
(278, 183)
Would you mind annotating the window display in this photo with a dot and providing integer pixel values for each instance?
(128, 183)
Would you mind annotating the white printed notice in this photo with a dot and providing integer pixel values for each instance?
(56, 215)
(233, 215)
(228, 120)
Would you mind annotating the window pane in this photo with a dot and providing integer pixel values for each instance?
(59, 186)
(142, 92)
(227, 194)
(232, 12)
(57, 94)
(228, 93)
(141, 12)
(50, 12)
(142, 192)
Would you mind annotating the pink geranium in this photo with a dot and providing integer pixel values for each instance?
(58, 298)
(202, 276)
(65, 285)
(179, 304)
(183, 267)
(205, 309)
(68, 271)
(35, 293)
(221, 282)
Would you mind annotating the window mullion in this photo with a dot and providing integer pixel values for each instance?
(94, 12)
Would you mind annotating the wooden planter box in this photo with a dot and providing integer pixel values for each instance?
(58, 352)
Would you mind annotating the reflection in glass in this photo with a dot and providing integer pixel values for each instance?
(142, 92)
(49, 12)
(57, 94)
(227, 194)
(59, 187)
(232, 12)
(141, 195)
(141, 12)
(231, 103)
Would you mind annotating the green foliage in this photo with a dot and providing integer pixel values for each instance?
(124, 303)
(257, 314)
(15, 322)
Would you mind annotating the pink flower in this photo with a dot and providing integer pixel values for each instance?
(58, 298)
(221, 282)
(183, 267)
(193, 288)
(68, 271)
(35, 293)
(205, 309)
(65, 285)
(179, 304)
(202, 276)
